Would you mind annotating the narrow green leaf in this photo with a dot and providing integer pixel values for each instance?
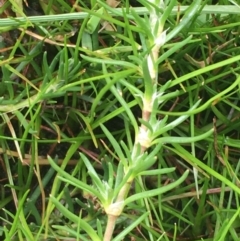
(23, 121)
(157, 171)
(157, 191)
(173, 50)
(177, 121)
(174, 139)
(180, 151)
(127, 229)
(167, 11)
(189, 14)
(95, 177)
(19, 217)
(87, 41)
(94, 21)
(75, 219)
(110, 61)
(114, 143)
(75, 182)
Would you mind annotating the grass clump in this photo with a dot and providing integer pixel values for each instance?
(119, 120)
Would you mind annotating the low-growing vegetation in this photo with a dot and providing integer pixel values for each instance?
(119, 120)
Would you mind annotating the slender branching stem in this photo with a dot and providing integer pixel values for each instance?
(111, 220)
(142, 138)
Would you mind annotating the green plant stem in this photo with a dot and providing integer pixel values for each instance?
(148, 102)
(115, 210)
(111, 220)
(124, 191)
(226, 9)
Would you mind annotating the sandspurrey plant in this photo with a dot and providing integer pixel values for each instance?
(119, 122)
(147, 133)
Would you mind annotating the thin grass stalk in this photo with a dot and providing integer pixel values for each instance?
(23, 21)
